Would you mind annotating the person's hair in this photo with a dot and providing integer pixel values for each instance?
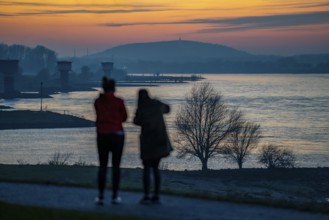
(143, 97)
(108, 84)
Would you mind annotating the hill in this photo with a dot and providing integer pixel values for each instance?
(182, 56)
(172, 51)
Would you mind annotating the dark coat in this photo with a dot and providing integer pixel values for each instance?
(154, 140)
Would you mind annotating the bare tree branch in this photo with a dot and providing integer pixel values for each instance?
(203, 123)
(242, 140)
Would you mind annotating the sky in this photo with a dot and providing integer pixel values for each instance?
(81, 27)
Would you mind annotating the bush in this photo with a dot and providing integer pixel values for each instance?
(60, 158)
(272, 156)
(80, 162)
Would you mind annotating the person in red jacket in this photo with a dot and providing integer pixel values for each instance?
(110, 114)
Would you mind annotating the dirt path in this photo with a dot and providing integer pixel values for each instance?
(172, 207)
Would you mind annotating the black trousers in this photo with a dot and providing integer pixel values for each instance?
(154, 165)
(107, 143)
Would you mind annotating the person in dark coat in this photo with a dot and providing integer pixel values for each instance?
(110, 114)
(154, 141)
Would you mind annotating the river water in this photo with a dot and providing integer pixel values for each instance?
(292, 109)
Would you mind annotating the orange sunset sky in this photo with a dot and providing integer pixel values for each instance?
(257, 26)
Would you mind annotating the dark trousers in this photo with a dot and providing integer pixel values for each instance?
(107, 143)
(154, 165)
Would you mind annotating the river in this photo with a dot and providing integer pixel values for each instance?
(292, 109)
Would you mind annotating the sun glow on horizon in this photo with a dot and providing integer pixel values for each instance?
(248, 25)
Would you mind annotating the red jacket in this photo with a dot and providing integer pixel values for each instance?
(110, 113)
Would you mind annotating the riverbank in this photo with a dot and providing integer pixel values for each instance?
(297, 188)
(26, 119)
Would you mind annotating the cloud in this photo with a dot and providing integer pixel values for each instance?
(79, 11)
(36, 8)
(18, 3)
(266, 22)
(61, 12)
(243, 23)
(312, 5)
(136, 24)
(281, 4)
(43, 4)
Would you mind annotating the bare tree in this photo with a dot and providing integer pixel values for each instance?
(203, 122)
(272, 156)
(241, 141)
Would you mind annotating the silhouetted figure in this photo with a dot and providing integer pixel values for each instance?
(154, 141)
(110, 114)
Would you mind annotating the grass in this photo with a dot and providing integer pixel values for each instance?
(82, 176)
(248, 199)
(46, 174)
(19, 212)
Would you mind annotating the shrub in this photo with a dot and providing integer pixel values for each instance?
(80, 162)
(272, 156)
(60, 158)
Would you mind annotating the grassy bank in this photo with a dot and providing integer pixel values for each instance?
(23, 119)
(300, 188)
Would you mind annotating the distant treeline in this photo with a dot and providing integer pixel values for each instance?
(295, 64)
(31, 60)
